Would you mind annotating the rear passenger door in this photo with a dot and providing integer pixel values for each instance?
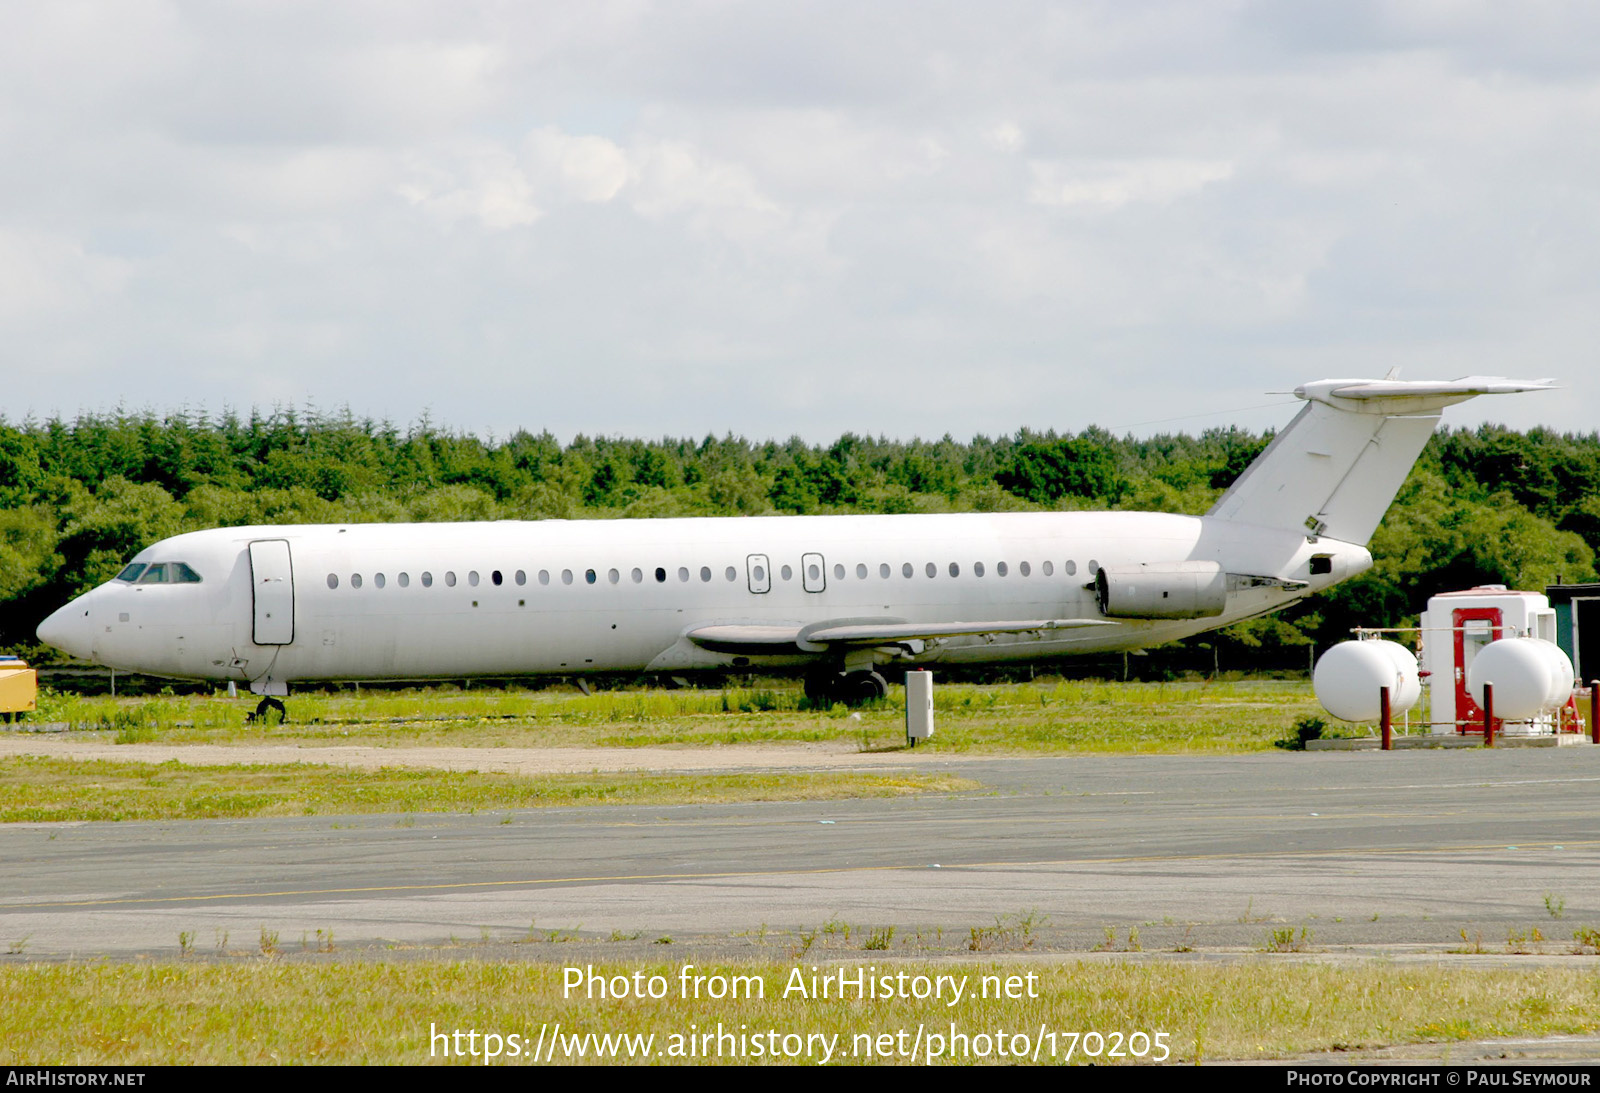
(814, 572)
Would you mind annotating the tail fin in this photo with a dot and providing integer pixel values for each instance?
(1337, 466)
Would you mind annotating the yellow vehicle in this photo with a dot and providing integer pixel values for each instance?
(19, 688)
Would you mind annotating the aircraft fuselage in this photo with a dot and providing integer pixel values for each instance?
(275, 605)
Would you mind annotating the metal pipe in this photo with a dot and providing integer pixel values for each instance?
(1594, 711)
(1387, 718)
(1488, 715)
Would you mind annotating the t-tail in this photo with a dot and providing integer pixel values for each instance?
(1339, 464)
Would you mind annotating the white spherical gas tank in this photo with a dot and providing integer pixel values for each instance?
(1531, 677)
(1350, 676)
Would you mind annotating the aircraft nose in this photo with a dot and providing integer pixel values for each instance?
(70, 630)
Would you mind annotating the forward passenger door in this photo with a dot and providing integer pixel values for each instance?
(272, 592)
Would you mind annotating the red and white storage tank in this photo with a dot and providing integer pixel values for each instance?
(1494, 635)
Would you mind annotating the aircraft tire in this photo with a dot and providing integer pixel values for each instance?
(859, 688)
(822, 688)
(267, 704)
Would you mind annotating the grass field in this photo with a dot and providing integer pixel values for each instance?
(268, 1009)
(38, 789)
(262, 1002)
(1049, 715)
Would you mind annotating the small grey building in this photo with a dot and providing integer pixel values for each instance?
(1577, 608)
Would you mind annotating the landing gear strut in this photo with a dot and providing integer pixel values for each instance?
(266, 704)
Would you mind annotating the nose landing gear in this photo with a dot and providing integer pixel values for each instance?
(264, 708)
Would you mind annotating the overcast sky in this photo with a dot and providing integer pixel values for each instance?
(901, 218)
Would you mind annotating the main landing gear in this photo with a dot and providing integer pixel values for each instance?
(850, 688)
(264, 708)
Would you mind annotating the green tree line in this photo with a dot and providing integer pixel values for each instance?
(1486, 505)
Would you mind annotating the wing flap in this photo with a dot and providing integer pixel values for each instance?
(760, 638)
(747, 638)
(871, 634)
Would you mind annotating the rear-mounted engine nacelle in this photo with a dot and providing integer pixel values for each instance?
(1171, 590)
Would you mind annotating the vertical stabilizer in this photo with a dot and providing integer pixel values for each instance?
(1337, 466)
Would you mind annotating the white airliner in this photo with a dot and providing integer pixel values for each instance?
(837, 597)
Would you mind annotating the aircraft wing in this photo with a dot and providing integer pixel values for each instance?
(819, 637)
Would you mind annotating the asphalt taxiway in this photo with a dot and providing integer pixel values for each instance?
(1412, 852)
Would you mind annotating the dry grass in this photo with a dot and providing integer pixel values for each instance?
(35, 789)
(271, 1010)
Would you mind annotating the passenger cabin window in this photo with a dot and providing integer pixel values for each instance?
(405, 580)
(661, 575)
(472, 578)
(638, 575)
(566, 576)
(906, 571)
(838, 572)
(683, 573)
(130, 572)
(931, 570)
(613, 576)
(544, 576)
(450, 578)
(496, 579)
(883, 571)
(522, 577)
(787, 572)
(1000, 568)
(1049, 568)
(1022, 568)
(333, 580)
(705, 574)
(377, 579)
(427, 579)
(355, 580)
(955, 569)
(861, 571)
(731, 573)
(588, 575)
(1071, 567)
(977, 569)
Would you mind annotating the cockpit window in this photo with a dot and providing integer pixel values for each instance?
(130, 573)
(163, 573)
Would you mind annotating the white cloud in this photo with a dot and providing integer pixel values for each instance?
(1034, 213)
(1119, 183)
(45, 276)
(586, 168)
(481, 183)
(1007, 137)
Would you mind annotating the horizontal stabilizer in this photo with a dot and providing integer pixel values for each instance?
(758, 639)
(1466, 388)
(1338, 465)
